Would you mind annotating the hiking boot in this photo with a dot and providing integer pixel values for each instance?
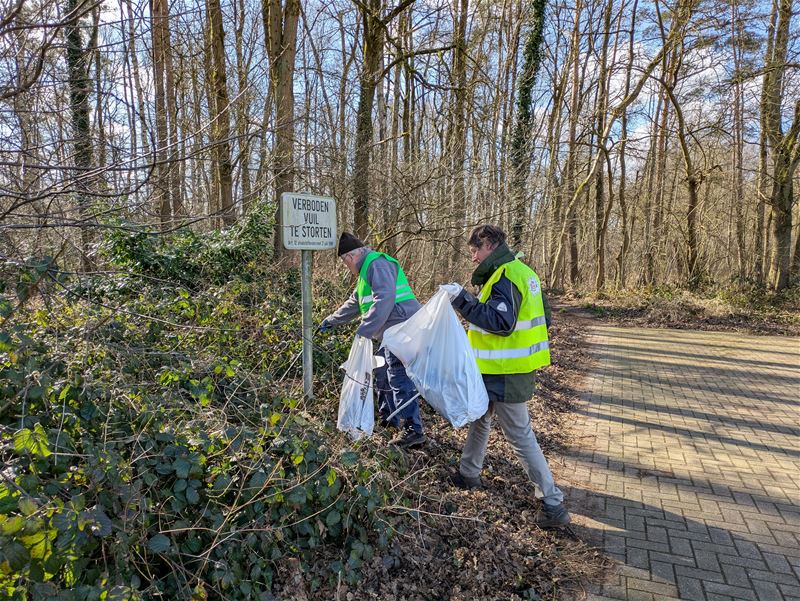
(465, 483)
(409, 439)
(552, 516)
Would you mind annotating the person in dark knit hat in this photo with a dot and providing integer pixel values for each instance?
(383, 298)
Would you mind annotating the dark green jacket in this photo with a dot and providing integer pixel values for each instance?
(499, 315)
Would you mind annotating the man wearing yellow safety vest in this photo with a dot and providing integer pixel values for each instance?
(508, 334)
(382, 298)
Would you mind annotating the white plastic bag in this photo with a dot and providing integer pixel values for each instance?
(356, 402)
(435, 350)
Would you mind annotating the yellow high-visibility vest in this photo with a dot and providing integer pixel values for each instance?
(364, 290)
(527, 348)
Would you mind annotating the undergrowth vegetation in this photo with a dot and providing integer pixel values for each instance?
(732, 307)
(153, 439)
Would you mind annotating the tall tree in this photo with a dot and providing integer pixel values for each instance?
(601, 211)
(523, 126)
(762, 232)
(785, 147)
(681, 17)
(373, 28)
(280, 27)
(80, 88)
(219, 115)
(458, 131)
(623, 146)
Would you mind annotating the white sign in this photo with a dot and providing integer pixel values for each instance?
(309, 222)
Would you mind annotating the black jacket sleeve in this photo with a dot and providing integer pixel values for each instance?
(498, 315)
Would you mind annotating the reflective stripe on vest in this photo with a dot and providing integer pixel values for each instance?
(521, 325)
(512, 353)
(526, 348)
(364, 290)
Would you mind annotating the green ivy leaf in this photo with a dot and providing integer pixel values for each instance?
(192, 496)
(120, 593)
(182, 467)
(32, 442)
(349, 458)
(98, 522)
(333, 518)
(5, 341)
(159, 544)
(5, 307)
(27, 506)
(10, 526)
(8, 499)
(297, 496)
(16, 555)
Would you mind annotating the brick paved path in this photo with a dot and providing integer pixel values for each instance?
(687, 465)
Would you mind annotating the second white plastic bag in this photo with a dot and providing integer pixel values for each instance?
(435, 350)
(356, 402)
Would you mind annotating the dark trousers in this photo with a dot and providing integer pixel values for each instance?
(394, 389)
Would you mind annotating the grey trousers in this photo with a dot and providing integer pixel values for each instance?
(515, 422)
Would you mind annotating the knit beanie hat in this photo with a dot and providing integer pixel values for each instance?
(348, 242)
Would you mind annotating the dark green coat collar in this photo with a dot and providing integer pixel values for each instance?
(500, 256)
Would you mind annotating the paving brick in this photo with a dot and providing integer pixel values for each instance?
(691, 589)
(681, 546)
(637, 558)
(706, 560)
(704, 575)
(662, 572)
(736, 575)
(649, 544)
(747, 549)
(767, 591)
(704, 498)
(668, 590)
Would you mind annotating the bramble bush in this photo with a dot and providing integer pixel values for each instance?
(151, 439)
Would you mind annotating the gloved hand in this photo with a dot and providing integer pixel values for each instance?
(453, 290)
(325, 326)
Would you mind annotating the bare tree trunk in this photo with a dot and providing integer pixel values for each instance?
(220, 115)
(570, 175)
(372, 31)
(626, 230)
(693, 177)
(79, 90)
(174, 166)
(785, 148)
(738, 142)
(161, 192)
(458, 132)
(280, 27)
(602, 211)
(374, 24)
(98, 90)
(132, 55)
(243, 106)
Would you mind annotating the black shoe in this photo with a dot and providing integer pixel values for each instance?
(409, 439)
(465, 483)
(552, 516)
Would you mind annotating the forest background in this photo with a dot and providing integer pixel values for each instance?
(153, 436)
(622, 143)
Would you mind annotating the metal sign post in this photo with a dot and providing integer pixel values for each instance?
(308, 357)
(309, 224)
